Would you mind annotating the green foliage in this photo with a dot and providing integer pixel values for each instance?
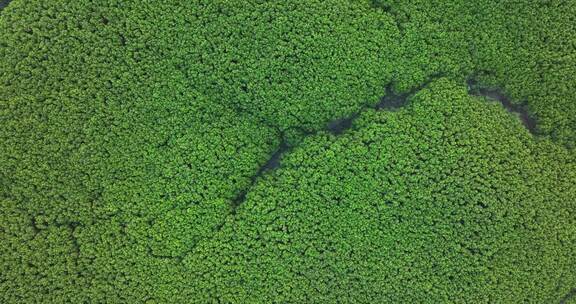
(136, 142)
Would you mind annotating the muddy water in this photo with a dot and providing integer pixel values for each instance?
(571, 294)
(391, 101)
(274, 161)
(518, 109)
(4, 3)
(271, 164)
(339, 126)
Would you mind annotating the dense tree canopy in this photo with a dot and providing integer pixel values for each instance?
(339, 151)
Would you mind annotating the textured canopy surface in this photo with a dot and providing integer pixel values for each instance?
(317, 151)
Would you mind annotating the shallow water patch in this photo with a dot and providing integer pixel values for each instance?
(4, 3)
(519, 110)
